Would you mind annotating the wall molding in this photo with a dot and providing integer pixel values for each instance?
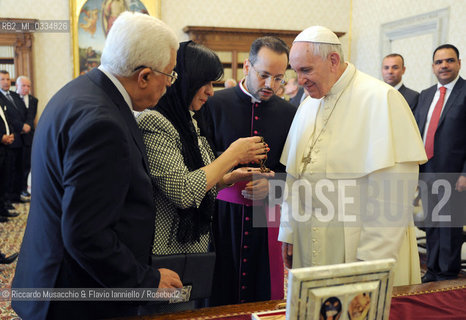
(434, 23)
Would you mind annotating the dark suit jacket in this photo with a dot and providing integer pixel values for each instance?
(296, 100)
(16, 116)
(31, 112)
(450, 136)
(410, 96)
(2, 126)
(3, 165)
(91, 220)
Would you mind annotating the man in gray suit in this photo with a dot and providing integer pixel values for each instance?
(393, 68)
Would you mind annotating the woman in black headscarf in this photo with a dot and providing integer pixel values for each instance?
(183, 167)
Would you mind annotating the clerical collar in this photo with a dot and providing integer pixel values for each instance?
(118, 85)
(449, 85)
(343, 81)
(253, 99)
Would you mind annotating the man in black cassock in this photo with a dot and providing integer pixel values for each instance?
(249, 266)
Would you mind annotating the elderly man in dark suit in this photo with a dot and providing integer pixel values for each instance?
(441, 117)
(16, 113)
(92, 214)
(393, 69)
(23, 88)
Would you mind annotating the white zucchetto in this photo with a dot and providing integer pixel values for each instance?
(317, 34)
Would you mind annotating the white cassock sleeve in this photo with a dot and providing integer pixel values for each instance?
(392, 203)
(285, 233)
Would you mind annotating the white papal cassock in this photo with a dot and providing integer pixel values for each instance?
(356, 150)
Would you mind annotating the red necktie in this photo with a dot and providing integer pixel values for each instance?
(433, 123)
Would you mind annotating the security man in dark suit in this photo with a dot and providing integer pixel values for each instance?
(441, 117)
(6, 139)
(393, 69)
(23, 88)
(91, 220)
(16, 113)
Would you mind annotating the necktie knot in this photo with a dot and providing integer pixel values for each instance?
(442, 90)
(8, 95)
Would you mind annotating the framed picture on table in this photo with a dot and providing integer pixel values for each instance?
(350, 291)
(91, 20)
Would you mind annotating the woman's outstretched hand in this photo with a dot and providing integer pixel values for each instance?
(247, 174)
(247, 150)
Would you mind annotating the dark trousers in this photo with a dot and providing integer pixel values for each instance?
(3, 177)
(444, 252)
(15, 173)
(443, 239)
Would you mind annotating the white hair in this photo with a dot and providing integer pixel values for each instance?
(136, 40)
(324, 49)
(21, 78)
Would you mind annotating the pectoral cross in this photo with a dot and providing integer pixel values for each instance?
(306, 160)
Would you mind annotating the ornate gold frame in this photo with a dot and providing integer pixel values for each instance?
(153, 6)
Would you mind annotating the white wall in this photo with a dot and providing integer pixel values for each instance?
(53, 63)
(52, 60)
(369, 15)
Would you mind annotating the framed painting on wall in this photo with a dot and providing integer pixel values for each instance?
(91, 20)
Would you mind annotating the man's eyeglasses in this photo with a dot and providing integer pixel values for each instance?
(264, 76)
(173, 76)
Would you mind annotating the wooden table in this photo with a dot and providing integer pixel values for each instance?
(248, 308)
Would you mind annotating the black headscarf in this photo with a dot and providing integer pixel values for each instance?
(196, 66)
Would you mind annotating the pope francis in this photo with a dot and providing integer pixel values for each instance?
(352, 159)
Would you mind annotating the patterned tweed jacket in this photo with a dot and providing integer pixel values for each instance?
(176, 187)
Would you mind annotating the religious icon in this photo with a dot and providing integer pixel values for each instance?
(330, 309)
(94, 20)
(90, 20)
(111, 9)
(359, 307)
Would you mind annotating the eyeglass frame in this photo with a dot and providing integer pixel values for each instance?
(264, 76)
(173, 76)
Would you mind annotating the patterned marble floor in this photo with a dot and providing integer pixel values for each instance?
(11, 235)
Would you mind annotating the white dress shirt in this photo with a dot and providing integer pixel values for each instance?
(449, 87)
(2, 115)
(26, 100)
(118, 85)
